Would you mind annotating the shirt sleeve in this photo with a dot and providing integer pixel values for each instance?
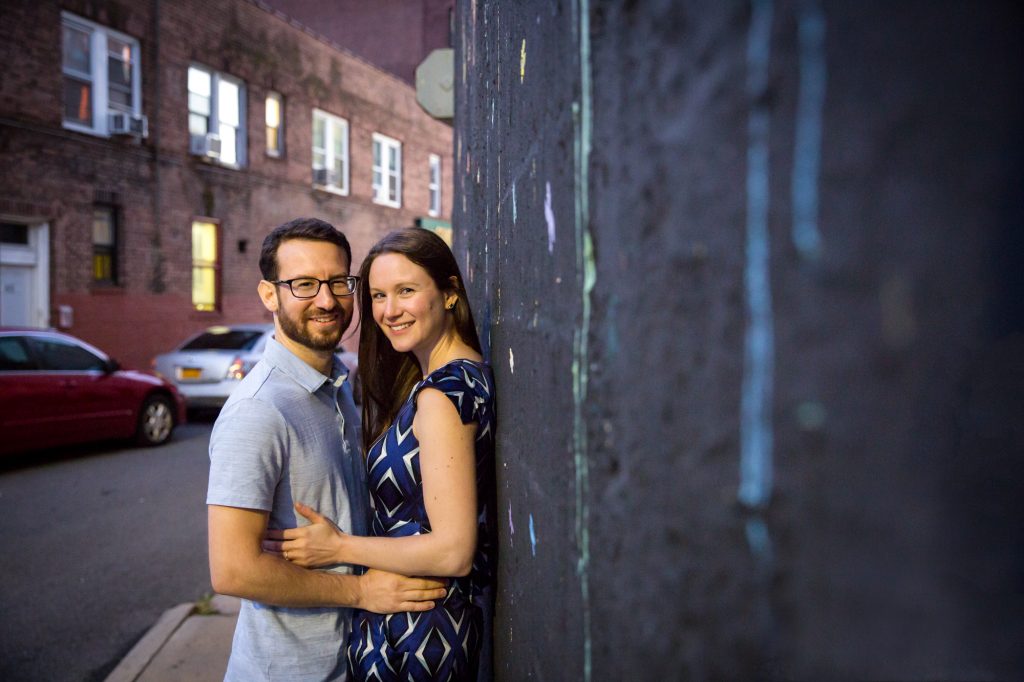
(468, 391)
(247, 455)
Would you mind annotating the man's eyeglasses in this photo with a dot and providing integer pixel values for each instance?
(309, 287)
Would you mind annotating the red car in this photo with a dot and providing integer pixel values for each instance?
(58, 390)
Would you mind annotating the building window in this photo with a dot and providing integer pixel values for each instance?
(205, 266)
(274, 118)
(330, 152)
(102, 91)
(387, 171)
(104, 245)
(14, 233)
(434, 186)
(216, 116)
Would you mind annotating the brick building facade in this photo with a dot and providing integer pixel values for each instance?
(140, 170)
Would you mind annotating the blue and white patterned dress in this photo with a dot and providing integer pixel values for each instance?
(443, 643)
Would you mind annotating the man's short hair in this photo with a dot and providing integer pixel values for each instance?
(300, 228)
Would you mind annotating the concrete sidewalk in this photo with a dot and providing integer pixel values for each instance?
(186, 644)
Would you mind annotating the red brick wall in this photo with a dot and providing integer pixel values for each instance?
(57, 175)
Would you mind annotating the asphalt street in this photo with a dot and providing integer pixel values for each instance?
(97, 542)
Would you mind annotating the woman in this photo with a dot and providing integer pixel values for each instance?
(428, 435)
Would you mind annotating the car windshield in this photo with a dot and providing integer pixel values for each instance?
(235, 339)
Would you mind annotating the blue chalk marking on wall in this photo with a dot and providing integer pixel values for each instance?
(807, 147)
(533, 538)
(528, 162)
(760, 542)
(756, 404)
(515, 212)
(755, 487)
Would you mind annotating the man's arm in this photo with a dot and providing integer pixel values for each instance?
(239, 567)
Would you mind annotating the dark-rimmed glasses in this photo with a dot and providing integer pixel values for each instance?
(309, 287)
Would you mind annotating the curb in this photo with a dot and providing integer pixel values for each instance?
(132, 665)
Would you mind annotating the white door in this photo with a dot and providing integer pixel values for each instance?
(24, 273)
(16, 295)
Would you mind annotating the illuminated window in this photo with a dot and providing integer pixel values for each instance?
(387, 171)
(275, 124)
(216, 116)
(101, 79)
(330, 152)
(434, 185)
(104, 245)
(205, 266)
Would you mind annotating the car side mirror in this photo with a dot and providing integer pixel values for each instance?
(111, 366)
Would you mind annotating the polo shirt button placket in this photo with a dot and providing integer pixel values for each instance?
(340, 415)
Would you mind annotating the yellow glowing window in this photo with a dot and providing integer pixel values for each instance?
(204, 266)
(274, 120)
(104, 245)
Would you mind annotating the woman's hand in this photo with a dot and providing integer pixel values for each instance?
(318, 544)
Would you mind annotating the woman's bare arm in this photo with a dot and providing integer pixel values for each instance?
(448, 470)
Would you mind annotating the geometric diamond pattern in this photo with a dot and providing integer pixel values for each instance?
(388, 493)
(430, 650)
(433, 652)
(444, 643)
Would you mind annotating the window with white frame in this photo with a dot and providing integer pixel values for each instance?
(102, 91)
(434, 185)
(274, 118)
(387, 170)
(330, 152)
(216, 116)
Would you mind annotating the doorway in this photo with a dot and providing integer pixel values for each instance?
(24, 273)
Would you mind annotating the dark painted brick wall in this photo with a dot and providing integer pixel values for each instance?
(780, 233)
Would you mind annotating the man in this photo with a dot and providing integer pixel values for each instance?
(290, 433)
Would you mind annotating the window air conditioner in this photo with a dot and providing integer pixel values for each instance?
(324, 176)
(205, 145)
(121, 123)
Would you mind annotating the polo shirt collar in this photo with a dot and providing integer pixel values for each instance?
(304, 375)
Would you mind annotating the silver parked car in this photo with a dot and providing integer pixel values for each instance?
(208, 366)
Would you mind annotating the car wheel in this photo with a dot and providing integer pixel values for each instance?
(156, 421)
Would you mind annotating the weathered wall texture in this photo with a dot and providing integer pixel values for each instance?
(750, 277)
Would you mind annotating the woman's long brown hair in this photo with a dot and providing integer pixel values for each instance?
(388, 376)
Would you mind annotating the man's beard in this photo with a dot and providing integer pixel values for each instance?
(299, 333)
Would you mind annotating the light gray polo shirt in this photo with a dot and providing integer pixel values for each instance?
(287, 434)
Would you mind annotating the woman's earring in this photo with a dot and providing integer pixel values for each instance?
(451, 305)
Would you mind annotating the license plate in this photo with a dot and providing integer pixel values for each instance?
(189, 372)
